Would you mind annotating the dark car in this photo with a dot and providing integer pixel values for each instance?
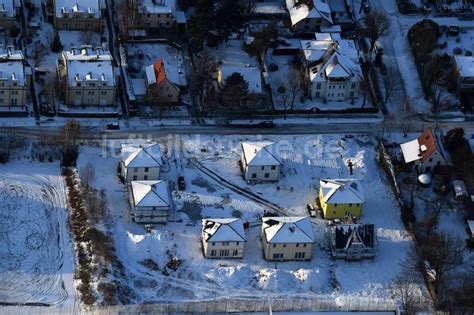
(181, 183)
(113, 126)
(266, 124)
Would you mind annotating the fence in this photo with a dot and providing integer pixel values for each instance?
(294, 304)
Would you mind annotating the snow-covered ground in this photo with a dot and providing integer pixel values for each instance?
(306, 160)
(36, 262)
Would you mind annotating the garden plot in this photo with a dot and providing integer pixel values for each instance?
(36, 265)
(145, 255)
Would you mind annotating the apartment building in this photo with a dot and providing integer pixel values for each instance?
(15, 78)
(78, 15)
(88, 77)
(157, 14)
(8, 11)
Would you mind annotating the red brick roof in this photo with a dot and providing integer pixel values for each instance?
(428, 140)
(160, 74)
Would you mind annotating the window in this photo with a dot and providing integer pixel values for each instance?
(145, 177)
(300, 255)
(14, 92)
(134, 177)
(213, 244)
(254, 175)
(213, 253)
(297, 245)
(225, 243)
(284, 245)
(224, 252)
(350, 205)
(146, 169)
(14, 101)
(273, 167)
(103, 92)
(351, 94)
(353, 85)
(263, 167)
(335, 205)
(235, 252)
(237, 243)
(135, 169)
(78, 92)
(430, 160)
(318, 86)
(304, 245)
(316, 94)
(278, 256)
(267, 175)
(274, 245)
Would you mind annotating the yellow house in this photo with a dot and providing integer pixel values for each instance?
(340, 197)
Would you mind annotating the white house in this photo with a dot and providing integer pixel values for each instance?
(425, 152)
(150, 201)
(140, 162)
(260, 161)
(308, 15)
(287, 238)
(333, 68)
(223, 238)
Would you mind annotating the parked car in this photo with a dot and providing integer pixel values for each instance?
(113, 126)
(312, 212)
(181, 183)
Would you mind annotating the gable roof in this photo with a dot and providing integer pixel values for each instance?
(341, 191)
(75, 6)
(12, 68)
(162, 70)
(422, 148)
(287, 230)
(465, 65)
(148, 155)
(308, 9)
(261, 153)
(161, 6)
(349, 234)
(223, 230)
(150, 193)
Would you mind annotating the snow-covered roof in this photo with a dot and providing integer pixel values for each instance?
(7, 7)
(465, 65)
(287, 230)
(141, 156)
(341, 191)
(338, 65)
(150, 193)
(261, 153)
(12, 68)
(250, 74)
(337, 5)
(269, 8)
(331, 29)
(223, 230)
(158, 6)
(74, 6)
(308, 9)
(163, 70)
(410, 151)
(138, 87)
(86, 64)
(314, 50)
(470, 223)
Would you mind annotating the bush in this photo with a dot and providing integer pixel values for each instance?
(56, 43)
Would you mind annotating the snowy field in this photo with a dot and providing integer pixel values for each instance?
(36, 263)
(205, 196)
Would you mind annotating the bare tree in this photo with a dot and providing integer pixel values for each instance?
(202, 76)
(391, 82)
(127, 13)
(88, 37)
(408, 293)
(378, 24)
(50, 88)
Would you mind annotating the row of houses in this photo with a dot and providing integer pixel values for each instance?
(287, 238)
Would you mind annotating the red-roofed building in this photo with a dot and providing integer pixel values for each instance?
(425, 152)
(163, 83)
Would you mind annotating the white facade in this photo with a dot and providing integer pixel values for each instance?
(140, 162)
(260, 161)
(306, 19)
(223, 238)
(150, 201)
(14, 78)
